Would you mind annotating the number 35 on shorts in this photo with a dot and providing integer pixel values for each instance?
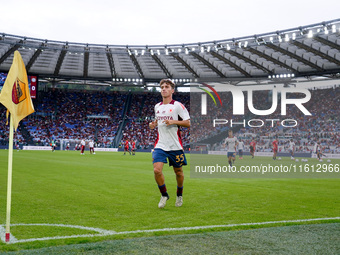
(180, 158)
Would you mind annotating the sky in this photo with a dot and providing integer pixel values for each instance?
(157, 22)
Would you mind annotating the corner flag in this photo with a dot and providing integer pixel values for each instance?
(15, 95)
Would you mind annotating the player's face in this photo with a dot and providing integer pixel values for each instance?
(166, 90)
(230, 134)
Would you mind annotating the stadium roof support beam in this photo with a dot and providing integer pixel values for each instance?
(33, 58)
(250, 61)
(10, 51)
(230, 63)
(160, 63)
(179, 59)
(271, 59)
(139, 69)
(316, 52)
(86, 63)
(111, 64)
(207, 63)
(327, 42)
(60, 60)
(292, 55)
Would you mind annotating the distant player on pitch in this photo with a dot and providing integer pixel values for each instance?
(252, 147)
(82, 143)
(133, 149)
(91, 145)
(169, 115)
(53, 145)
(275, 144)
(291, 148)
(240, 147)
(127, 147)
(317, 150)
(231, 142)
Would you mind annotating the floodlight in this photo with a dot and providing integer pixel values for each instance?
(333, 28)
(294, 36)
(287, 38)
(310, 34)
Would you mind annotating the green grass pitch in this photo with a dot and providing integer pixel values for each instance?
(118, 193)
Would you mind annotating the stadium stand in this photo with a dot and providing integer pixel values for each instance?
(97, 115)
(92, 115)
(304, 53)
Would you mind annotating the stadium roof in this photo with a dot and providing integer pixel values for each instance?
(312, 50)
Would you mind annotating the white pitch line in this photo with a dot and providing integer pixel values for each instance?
(99, 230)
(102, 232)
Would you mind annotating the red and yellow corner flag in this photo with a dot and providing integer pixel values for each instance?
(15, 94)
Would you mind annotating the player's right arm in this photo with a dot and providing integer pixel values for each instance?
(153, 124)
(225, 143)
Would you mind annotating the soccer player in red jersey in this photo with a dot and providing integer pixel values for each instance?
(170, 115)
(275, 144)
(127, 147)
(252, 147)
(133, 149)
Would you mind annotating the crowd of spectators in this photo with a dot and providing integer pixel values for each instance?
(97, 115)
(74, 115)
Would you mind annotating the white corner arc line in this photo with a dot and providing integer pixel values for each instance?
(99, 230)
(102, 232)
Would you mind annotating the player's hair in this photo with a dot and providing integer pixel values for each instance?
(167, 81)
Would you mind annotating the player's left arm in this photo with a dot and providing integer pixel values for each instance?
(182, 123)
(236, 144)
(183, 114)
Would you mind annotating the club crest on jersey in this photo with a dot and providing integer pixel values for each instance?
(18, 92)
(170, 110)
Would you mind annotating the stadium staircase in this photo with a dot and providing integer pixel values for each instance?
(122, 125)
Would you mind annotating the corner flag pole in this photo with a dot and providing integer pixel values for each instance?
(16, 97)
(9, 180)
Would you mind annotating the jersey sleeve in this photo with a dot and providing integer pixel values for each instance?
(183, 112)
